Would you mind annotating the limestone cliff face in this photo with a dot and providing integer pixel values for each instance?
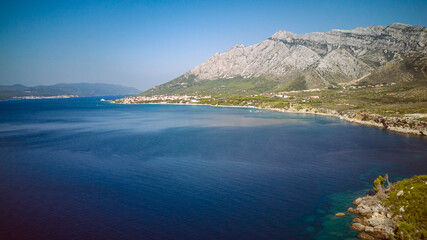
(323, 58)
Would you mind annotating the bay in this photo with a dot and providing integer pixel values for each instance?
(82, 168)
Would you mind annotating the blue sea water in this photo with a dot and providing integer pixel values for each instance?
(84, 169)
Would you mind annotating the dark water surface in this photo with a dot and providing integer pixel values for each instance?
(85, 169)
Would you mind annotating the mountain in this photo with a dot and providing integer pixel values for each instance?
(411, 67)
(79, 89)
(288, 61)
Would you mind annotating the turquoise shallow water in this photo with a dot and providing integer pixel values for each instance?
(85, 169)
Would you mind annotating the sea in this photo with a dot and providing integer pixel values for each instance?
(82, 168)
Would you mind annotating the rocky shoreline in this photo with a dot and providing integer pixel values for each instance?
(374, 221)
(397, 124)
(405, 125)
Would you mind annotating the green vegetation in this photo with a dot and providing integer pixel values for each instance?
(256, 101)
(298, 84)
(386, 100)
(408, 202)
(378, 183)
(231, 86)
(411, 67)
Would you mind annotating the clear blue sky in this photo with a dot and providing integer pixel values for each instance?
(146, 43)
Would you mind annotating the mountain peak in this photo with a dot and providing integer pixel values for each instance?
(282, 35)
(399, 25)
(238, 46)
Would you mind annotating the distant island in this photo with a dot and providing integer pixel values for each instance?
(63, 90)
(375, 76)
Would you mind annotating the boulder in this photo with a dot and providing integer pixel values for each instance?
(357, 220)
(376, 222)
(365, 236)
(364, 222)
(364, 211)
(379, 229)
(358, 227)
(340, 214)
(369, 229)
(357, 201)
(350, 210)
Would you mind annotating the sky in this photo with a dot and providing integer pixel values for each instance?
(147, 43)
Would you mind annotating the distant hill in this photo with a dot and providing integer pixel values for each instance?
(288, 61)
(79, 89)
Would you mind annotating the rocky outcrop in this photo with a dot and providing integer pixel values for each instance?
(375, 219)
(396, 211)
(399, 124)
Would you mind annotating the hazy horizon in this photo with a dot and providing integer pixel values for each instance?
(145, 43)
(59, 83)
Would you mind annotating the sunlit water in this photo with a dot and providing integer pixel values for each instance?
(85, 169)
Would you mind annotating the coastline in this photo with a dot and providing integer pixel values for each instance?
(378, 121)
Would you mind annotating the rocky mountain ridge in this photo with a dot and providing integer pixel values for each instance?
(320, 59)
